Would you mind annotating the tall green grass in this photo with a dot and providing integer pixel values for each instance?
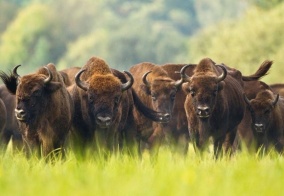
(168, 174)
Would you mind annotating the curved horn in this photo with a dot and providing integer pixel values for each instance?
(49, 78)
(144, 78)
(275, 100)
(183, 75)
(223, 75)
(15, 71)
(129, 83)
(246, 99)
(79, 82)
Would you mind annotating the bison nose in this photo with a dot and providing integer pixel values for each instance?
(103, 121)
(203, 111)
(20, 114)
(166, 118)
(259, 127)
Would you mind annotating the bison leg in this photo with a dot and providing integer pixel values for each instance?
(229, 142)
(218, 146)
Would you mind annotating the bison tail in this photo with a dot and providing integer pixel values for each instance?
(10, 81)
(147, 112)
(262, 71)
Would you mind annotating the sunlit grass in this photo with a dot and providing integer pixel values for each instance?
(121, 174)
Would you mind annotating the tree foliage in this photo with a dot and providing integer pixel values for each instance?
(246, 43)
(68, 33)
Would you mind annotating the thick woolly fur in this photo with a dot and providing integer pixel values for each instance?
(49, 114)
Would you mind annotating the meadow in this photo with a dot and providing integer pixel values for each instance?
(167, 174)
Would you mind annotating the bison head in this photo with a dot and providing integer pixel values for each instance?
(202, 89)
(261, 109)
(32, 90)
(104, 94)
(163, 92)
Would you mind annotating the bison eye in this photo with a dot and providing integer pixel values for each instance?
(192, 92)
(37, 93)
(266, 111)
(154, 97)
(91, 99)
(173, 96)
(116, 100)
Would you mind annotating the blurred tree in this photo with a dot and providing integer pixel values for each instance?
(266, 4)
(25, 34)
(8, 11)
(246, 43)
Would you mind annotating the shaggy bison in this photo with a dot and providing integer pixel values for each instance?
(214, 105)
(266, 119)
(43, 108)
(104, 102)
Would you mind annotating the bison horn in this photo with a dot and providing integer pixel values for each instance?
(49, 78)
(223, 75)
(183, 75)
(246, 99)
(144, 78)
(129, 83)
(15, 71)
(79, 82)
(275, 100)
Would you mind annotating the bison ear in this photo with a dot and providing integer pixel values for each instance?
(220, 85)
(146, 89)
(53, 86)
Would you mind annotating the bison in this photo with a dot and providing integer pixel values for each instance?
(68, 75)
(11, 130)
(266, 119)
(159, 88)
(3, 119)
(104, 102)
(43, 108)
(278, 88)
(214, 105)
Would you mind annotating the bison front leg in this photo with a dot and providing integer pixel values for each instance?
(218, 147)
(229, 142)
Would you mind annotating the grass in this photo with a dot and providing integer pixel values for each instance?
(169, 174)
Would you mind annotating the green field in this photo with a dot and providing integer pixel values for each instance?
(168, 174)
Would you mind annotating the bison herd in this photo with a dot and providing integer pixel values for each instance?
(95, 108)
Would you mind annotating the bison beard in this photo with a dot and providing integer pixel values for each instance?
(213, 105)
(43, 109)
(104, 102)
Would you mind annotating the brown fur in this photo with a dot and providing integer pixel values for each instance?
(271, 117)
(68, 75)
(162, 87)
(3, 119)
(11, 129)
(49, 115)
(225, 109)
(105, 98)
(278, 88)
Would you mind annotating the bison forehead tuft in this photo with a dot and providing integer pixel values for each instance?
(163, 84)
(204, 80)
(205, 65)
(105, 83)
(29, 82)
(96, 66)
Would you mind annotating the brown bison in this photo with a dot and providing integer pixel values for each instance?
(68, 75)
(252, 86)
(43, 108)
(278, 88)
(11, 130)
(214, 105)
(3, 119)
(159, 88)
(266, 119)
(104, 102)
